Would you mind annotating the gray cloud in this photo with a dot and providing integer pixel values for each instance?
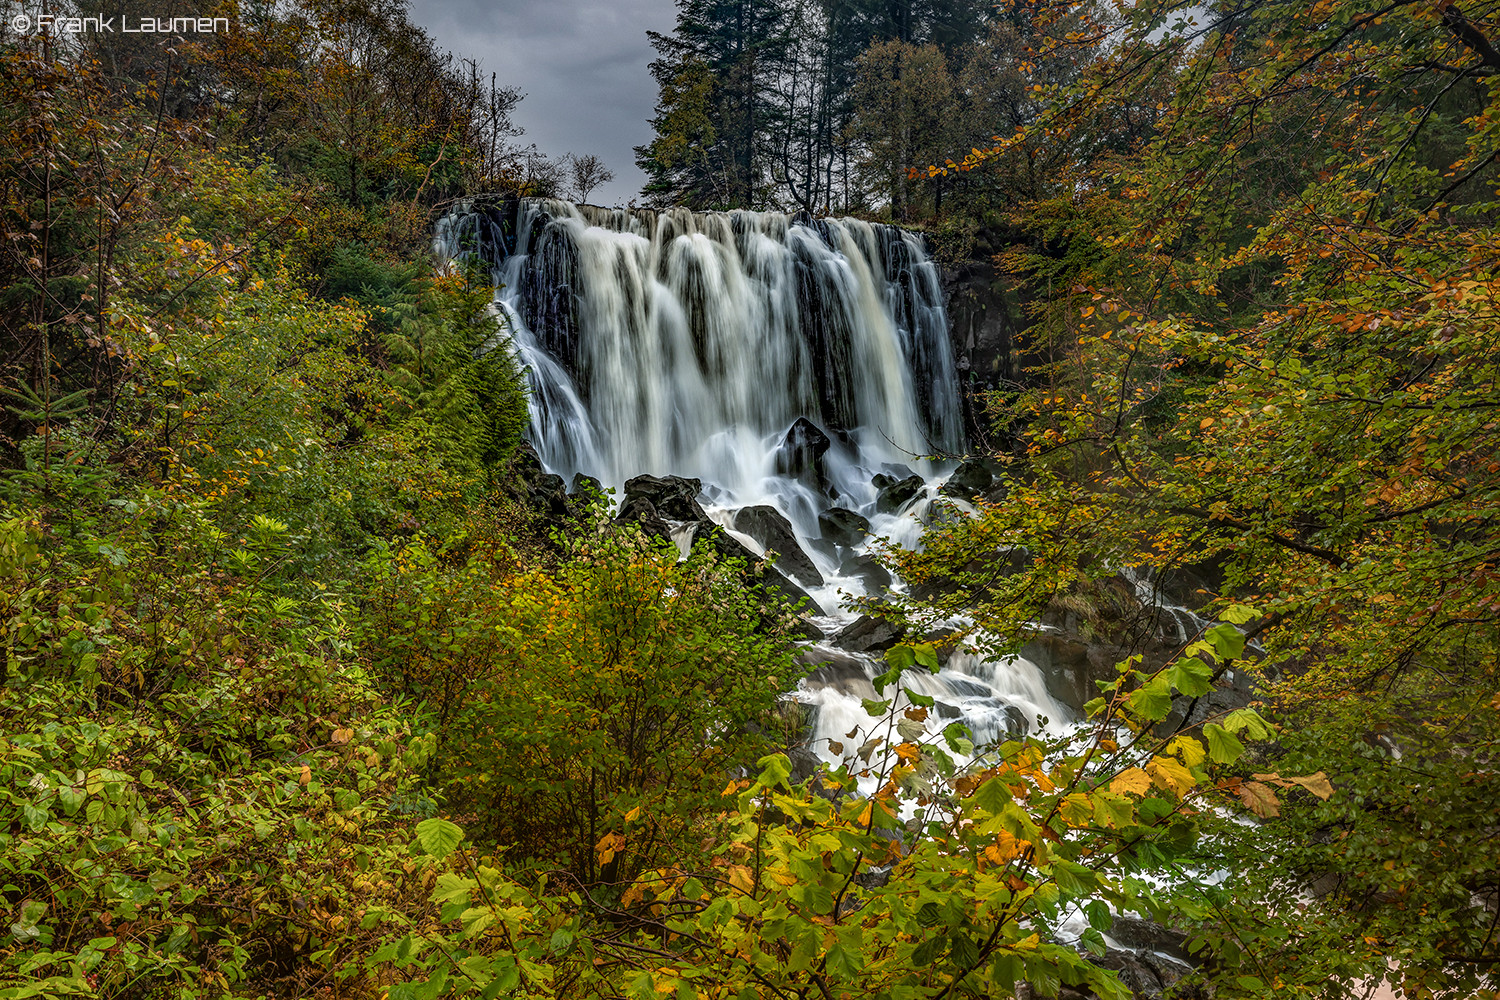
(581, 63)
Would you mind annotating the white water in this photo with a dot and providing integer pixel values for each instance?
(687, 344)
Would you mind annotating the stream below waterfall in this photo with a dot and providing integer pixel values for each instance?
(783, 362)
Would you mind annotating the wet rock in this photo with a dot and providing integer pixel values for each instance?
(768, 527)
(838, 670)
(723, 543)
(895, 471)
(896, 493)
(801, 451)
(940, 512)
(1146, 975)
(972, 478)
(869, 634)
(805, 763)
(674, 497)
(804, 629)
(585, 486)
(640, 511)
(869, 570)
(772, 580)
(550, 492)
(1148, 935)
(1071, 665)
(843, 527)
(757, 572)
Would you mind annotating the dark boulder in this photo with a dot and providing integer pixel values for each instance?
(801, 451)
(972, 478)
(723, 543)
(868, 569)
(894, 471)
(832, 668)
(773, 581)
(640, 511)
(586, 486)
(868, 634)
(757, 572)
(804, 629)
(1146, 975)
(1148, 935)
(536, 487)
(843, 527)
(896, 493)
(773, 531)
(674, 497)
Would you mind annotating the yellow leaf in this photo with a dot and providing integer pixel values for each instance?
(741, 878)
(1316, 783)
(1189, 749)
(633, 815)
(1134, 780)
(1171, 775)
(305, 776)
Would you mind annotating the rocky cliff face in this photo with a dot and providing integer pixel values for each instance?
(984, 321)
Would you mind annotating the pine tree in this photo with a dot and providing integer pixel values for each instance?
(715, 72)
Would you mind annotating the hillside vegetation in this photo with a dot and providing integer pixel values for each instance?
(303, 693)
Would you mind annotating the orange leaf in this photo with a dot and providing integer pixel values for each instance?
(1260, 799)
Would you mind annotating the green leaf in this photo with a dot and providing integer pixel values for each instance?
(1191, 676)
(900, 657)
(1238, 614)
(875, 708)
(1247, 719)
(774, 770)
(992, 796)
(921, 700)
(1223, 746)
(926, 656)
(1228, 641)
(438, 837)
(958, 737)
(1153, 701)
(476, 919)
(452, 888)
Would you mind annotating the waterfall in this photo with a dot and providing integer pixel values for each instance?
(707, 346)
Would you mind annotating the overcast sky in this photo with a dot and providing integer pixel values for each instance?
(581, 64)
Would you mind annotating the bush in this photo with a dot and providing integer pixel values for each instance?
(594, 711)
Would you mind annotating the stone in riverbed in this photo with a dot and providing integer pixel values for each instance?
(869, 569)
(639, 510)
(867, 634)
(766, 577)
(843, 527)
(773, 531)
(674, 497)
(969, 480)
(801, 451)
(896, 493)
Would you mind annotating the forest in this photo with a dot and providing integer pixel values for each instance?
(319, 678)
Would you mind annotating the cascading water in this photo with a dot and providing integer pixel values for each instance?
(709, 345)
